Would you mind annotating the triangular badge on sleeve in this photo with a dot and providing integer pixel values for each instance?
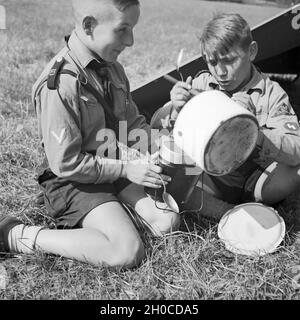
(283, 110)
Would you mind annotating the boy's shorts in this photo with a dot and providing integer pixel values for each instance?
(68, 202)
(245, 184)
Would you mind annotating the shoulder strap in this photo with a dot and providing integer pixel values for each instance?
(111, 120)
(56, 71)
(52, 84)
(51, 78)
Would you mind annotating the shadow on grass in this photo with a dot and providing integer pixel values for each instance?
(288, 209)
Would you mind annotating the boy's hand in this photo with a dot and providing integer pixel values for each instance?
(244, 100)
(180, 93)
(144, 173)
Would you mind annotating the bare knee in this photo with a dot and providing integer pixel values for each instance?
(127, 253)
(110, 238)
(120, 251)
(160, 221)
(280, 183)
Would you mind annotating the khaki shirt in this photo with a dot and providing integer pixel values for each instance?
(279, 137)
(71, 118)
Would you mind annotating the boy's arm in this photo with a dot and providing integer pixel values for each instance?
(279, 138)
(60, 122)
(139, 133)
(165, 117)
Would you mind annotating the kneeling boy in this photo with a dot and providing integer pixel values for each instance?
(271, 173)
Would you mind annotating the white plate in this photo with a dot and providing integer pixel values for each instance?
(251, 229)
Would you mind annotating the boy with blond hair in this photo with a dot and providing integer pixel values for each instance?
(271, 172)
(81, 98)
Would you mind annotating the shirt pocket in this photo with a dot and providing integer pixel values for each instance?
(92, 113)
(88, 99)
(261, 106)
(120, 96)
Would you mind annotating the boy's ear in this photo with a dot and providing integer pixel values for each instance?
(88, 24)
(253, 49)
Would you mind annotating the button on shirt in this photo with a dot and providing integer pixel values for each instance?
(71, 120)
(279, 137)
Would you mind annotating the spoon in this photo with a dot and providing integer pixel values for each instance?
(178, 63)
(171, 79)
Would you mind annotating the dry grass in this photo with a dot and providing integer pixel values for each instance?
(189, 264)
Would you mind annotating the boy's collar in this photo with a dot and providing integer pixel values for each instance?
(256, 83)
(84, 55)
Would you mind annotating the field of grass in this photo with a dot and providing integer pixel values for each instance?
(189, 264)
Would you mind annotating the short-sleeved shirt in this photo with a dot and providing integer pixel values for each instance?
(279, 137)
(72, 122)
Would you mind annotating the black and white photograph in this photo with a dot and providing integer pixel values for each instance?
(149, 153)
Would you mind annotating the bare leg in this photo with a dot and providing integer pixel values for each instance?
(161, 221)
(278, 183)
(107, 236)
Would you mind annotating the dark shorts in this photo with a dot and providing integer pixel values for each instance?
(240, 186)
(68, 202)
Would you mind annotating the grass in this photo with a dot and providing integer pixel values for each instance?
(189, 264)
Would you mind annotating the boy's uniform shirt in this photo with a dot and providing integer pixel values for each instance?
(71, 118)
(270, 104)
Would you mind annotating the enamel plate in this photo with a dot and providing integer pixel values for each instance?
(251, 229)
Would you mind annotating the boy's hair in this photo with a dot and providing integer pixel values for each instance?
(123, 4)
(222, 33)
(83, 8)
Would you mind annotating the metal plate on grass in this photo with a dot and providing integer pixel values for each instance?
(251, 229)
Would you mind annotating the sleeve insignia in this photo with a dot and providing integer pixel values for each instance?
(283, 110)
(60, 137)
(291, 126)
